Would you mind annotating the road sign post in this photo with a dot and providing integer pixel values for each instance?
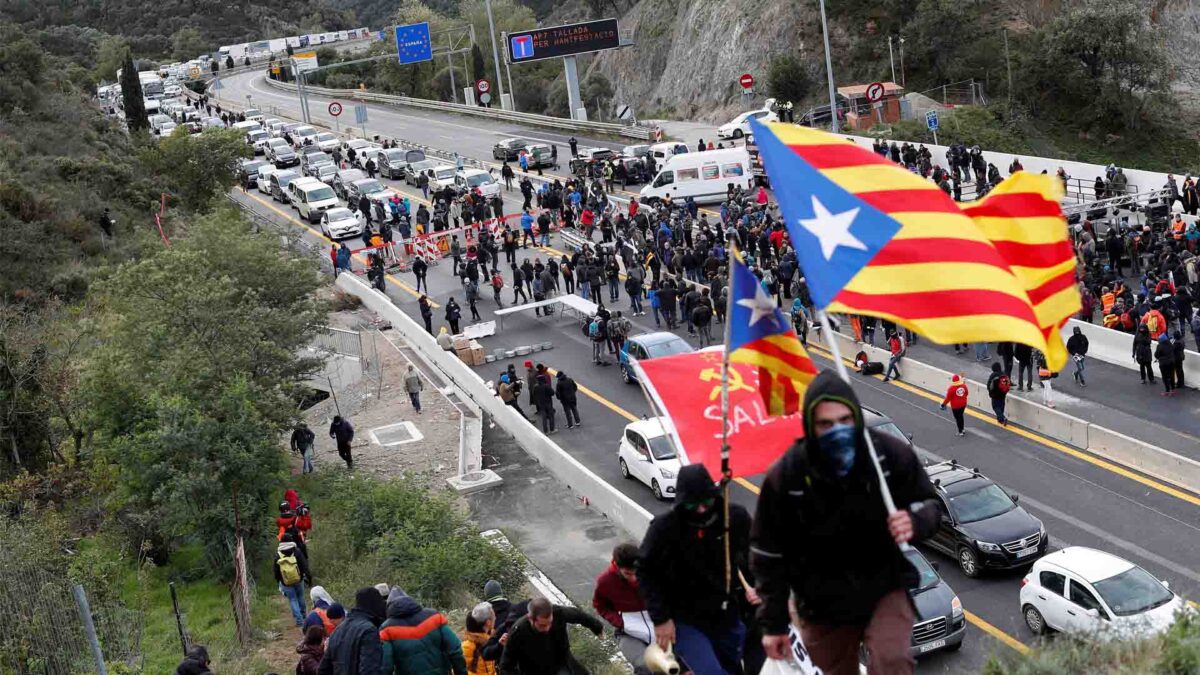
(747, 81)
(360, 117)
(931, 121)
(875, 93)
(335, 109)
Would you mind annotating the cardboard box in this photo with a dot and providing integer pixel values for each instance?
(478, 358)
(465, 355)
(460, 342)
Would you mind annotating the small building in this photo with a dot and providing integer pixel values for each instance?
(863, 114)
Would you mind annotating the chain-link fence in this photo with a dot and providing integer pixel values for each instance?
(47, 633)
(352, 372)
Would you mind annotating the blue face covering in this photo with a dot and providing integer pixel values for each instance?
(839, 446)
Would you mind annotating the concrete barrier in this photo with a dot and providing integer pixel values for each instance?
(1165, 466)
(605, 498)
(1116, 347)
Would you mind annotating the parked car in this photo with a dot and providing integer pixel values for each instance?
(982, 526)
(391, 162)
(344, 177)
(279, 184)
(313, 157)
(324, 173)
(258, 140)
(248, 170)
(302, 134)
(940, 622)
(1094, 594)
(415, 169)
(468, 180)
(370, 187)
(637, 151)
(646, 453)
(649, 346)
(443, 176)
(368, 151)
(254, 115)
(339, 223)
(282, 154)
(326, 141)
(312, 198)
(540, 156)
(508, 149)
(262, 180)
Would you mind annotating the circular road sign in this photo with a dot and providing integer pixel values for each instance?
(746, 80)
(875, 92)
(335, 108)
(485, 98)
(483, 86)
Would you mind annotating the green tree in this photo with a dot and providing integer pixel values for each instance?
(110, 56)
(788, 79)
(949, 41)
(597, 94)
(22, 69)
(187, 43)
(131, 96)
(478, 65)
(196, 169)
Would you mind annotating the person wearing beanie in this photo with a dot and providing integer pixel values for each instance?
(355, 647)
(336, 614)
(417, 639)
(956, 397)
(493, 593)
(383, 589)
(1164, 353)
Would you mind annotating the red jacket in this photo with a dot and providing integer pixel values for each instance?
(614, 595)
(956, 395)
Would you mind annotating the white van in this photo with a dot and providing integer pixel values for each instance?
(311, 198)
(664, 151)
(263, 179)
(703, 176)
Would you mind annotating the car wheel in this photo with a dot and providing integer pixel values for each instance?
(955, 647)
(968, 562)
(654, 487)
(1033, 619)
(625, 470)
(625, 375)
(737, 133)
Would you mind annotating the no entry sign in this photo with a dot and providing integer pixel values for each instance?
(875, 92)
(335, 108)
(746, 80)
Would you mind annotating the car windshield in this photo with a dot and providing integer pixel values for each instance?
(252, 167)
(320, 194)
(1132, 592)
(251, 112)
(423, 165)
(367, 187)
(286, 177)
(661, 448)
(306, 132)
(927, 577)
(257, 135)
(673, 346)
(339, 214)
(397, 155)
(890, 429)
(986, 502)
(445, 172)
(318, 158)
(479, 179)
(326, 137)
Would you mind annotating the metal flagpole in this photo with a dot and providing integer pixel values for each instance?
(827, 333)
(726, 472)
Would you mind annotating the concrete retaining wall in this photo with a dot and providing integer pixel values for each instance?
(605, 498)
(1116, 347)
(1118, 448)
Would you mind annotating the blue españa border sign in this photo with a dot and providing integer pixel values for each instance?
(413, 44)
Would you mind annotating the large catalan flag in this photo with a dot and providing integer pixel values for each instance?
(876, 239)
(760, 335)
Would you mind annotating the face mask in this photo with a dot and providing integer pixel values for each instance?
(839, 445)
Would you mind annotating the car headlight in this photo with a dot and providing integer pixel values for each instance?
(987, 546)
(666, 473)
(956, 610)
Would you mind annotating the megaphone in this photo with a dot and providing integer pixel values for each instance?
(659, 661)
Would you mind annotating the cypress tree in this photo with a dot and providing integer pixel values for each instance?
(131, 94)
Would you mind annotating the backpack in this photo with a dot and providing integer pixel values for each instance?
(289, 570)
(497, 281)
(1001, 385)
(594, 329)
(1152, 323)
(1127, 321)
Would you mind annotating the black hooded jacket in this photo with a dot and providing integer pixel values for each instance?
(681, 571)
(826, 539)
(355, 647)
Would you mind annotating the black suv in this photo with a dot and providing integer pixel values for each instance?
(982, 526)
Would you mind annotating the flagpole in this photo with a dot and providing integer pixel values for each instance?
(726, 472)
(827, 334)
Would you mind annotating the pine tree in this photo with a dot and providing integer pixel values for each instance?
(131, 94)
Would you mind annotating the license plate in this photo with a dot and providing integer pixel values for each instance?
(1026, 552)
(930, 646)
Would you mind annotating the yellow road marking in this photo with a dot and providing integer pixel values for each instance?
(317, 233)
(1043, 440)
(996, 632)
(601, 400)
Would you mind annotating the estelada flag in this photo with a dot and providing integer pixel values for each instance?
(687, 389)
(875, 239)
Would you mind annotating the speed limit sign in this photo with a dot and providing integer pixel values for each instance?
(483, 86)
(335, 108)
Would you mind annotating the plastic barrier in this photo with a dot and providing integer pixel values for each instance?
(1165, 466)
(606, 499)
(1116, 347)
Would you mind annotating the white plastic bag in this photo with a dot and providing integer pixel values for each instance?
(800, 662)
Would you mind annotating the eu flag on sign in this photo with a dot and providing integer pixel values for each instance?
(413, 44)
(760, 335)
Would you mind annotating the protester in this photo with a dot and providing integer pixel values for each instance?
(820, 532)
(617, 600)
(343, 432)
(897, 348)
(493, 593)
(1077, 347)
(538, 643)
(195, 663)
(480, 624)
(413, 385)
(355, 647)
(1143, 354)
(291, 572)
(302, 444)
(567, 392)
(1045, 377)
(453, 314)
(1164, 353)
(956, 397)
(998, 386)
(319, 616)
(681, 573)
(311, 649)
(418, 640)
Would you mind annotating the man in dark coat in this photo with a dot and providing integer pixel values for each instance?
(567, 392)
(343, 432)
(355, 647)
(691, 599)
(821, 536)
(538, 643)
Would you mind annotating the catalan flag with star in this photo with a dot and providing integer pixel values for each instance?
(760, 335)
(876, 239)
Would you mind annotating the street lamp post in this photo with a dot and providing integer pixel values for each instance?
(833, 120)
(903, 79)
(891, 58)
(495, 50)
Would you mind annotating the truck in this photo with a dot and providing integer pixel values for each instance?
(279, 45)
(236, 52)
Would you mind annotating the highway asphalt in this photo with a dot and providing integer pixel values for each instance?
(1081, 501)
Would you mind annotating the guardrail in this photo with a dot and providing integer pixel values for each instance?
(637, 132)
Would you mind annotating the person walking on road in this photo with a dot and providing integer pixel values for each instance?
(545, 403)
(574, 147)
(343, 433)
(1164, 353)
(1143, 354)
(420, 269)
(567, 393)
(998, 385)
(453, 314)
(413, 386)
(510, 393)
(956, 397)
(426, 313)
(896, 347)
(506, 173)
(1180, 352)
(302, 444)
(819, 536)
(1077, 347)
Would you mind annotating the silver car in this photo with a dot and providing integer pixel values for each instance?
(345, 177)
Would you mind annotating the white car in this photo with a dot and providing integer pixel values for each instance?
(477, 179)
(254, 115)
(326, 141)
(1087, 592)
(339, 223)
(740, 125)
(302, 134)
(443, 176)
(647, 454)
(355, 144)
(258, 138)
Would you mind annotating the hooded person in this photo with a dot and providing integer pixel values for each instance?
(195, 663)
(311, 649)
(681, 574)
(820, 535)
(355, 647)
(956, 398)
(319, 616)
(417, 639)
